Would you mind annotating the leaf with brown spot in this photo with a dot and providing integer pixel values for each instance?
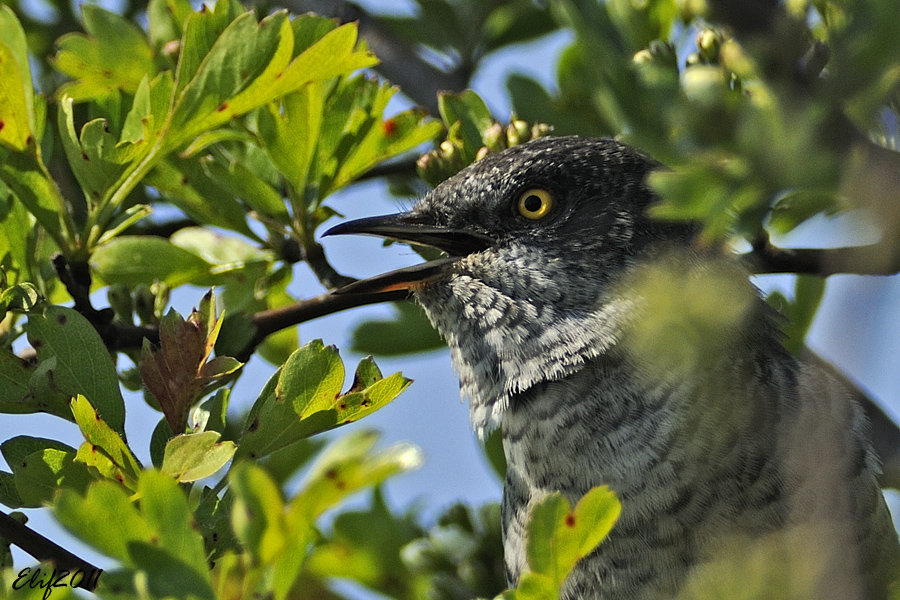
(559, 536)
(304, 398)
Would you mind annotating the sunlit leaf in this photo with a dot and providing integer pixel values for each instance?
(114, 55)
(559, 536)
(194, 456)
(145, 259)
(103, 440)
(304, 397)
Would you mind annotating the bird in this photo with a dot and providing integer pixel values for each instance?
(614, 348)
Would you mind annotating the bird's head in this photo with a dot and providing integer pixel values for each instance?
(536, 238)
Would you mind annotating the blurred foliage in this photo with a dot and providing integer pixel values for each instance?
(244, 127)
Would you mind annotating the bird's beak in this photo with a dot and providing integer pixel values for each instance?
(407, 227)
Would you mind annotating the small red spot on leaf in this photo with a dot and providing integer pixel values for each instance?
(97, 416)
(222, 108)
(120, 479)
(2, 125)
(366, 403)
(342, 406)
(570, 520)
(390, 127)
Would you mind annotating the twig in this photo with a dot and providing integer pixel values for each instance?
(875, 259)
(269, 321)
(45, 550)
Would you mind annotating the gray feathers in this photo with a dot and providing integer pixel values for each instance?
(612, 351)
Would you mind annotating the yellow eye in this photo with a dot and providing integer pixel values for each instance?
(535, 203)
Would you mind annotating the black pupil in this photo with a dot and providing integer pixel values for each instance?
(533, 203)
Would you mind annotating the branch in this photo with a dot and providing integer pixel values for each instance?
(269, 321)
(875, 259)
(45, 550)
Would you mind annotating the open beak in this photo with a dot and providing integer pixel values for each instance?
(406, 227)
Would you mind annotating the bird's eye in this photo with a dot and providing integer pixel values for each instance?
(535, 203)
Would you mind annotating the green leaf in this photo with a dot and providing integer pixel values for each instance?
(194, 456)
(347, 465)
(493, 450)
(104, 442)
(290, 130)
(15, 375)
(95, 158)
(15, 114)
(40, 474)
(250, 65)
(185, 184)
(244, 53)
(795, 207)
(113, 56)
(304, 398)
(14, 40)
(473, 116)
(15, 449)
(82, 362)
(313, 375)
(213, 515)
(258, 513)
(366, 546)
(226, 252)
(558, 536)
(408, 332)
(16, 234)
(105, 518)
(533, 586)
(515, 23)
(201, 30)
(383, 140)
(25, 174)
(132, 260)
(9, 495)
(180, 569)
(40, 466)
(808, 292)
(166, 20)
